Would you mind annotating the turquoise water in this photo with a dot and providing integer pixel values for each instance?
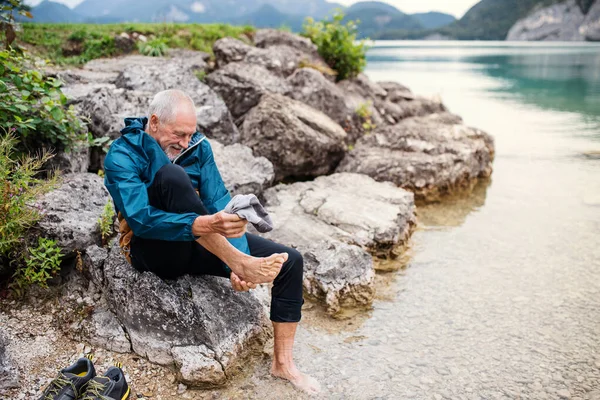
(501, 295)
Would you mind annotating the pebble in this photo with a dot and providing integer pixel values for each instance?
(564, 394)
(181, 388)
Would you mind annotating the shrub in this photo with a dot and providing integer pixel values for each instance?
(41, 264)
(364, 113)
(154, 48)
(19, 188)
(34, 106)
(106, 221)
(336, 44)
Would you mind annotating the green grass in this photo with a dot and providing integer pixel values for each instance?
(53, 41)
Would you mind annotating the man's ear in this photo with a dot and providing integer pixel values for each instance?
(153, 123)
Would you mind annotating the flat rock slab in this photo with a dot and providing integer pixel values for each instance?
(332, 221)
(299, 140)
(429, 156)
(198, 324)
(72, 211)
(351, 208)
(241, 171)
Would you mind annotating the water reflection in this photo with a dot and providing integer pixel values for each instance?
(453, 210)
(552, 81)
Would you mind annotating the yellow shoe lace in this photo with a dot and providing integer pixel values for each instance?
(57, 385)
(92, 391)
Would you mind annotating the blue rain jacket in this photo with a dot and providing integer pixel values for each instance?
(130, 166)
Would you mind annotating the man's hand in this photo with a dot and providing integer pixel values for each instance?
(240, 285)
(228, 225)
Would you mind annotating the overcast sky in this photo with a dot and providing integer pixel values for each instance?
(454, 7)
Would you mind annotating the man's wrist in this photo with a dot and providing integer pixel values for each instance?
(202, 225)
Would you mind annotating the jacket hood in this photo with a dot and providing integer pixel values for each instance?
(134, 125)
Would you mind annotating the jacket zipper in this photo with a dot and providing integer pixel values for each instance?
(187, 150)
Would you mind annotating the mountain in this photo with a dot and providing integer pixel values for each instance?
(432, 20)
(270, 17)
(492, 19)
(376, 17)
(50, 11)
(563, 21)
(199, 10)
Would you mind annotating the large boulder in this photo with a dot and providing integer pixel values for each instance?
(107, 107)
(197, 324)
(241, 171)
(72, 211)
(331, 222)
(227, 50)
(430, 156)
(299, 140)
(265, 38)
(282, 60)
(340, 207)
(312, 88)
(387, 103)
(242, 85)
(214, 118)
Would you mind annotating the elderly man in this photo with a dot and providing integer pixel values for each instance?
(164, 182)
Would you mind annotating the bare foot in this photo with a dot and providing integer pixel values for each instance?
(304, 382)
(261, 270)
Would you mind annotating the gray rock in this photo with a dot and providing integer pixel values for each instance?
(9, 374)
(567, 21)
(117, 65)
(340, 274)
(364, 87)
(124, 43)
(77, 160)
(72, 211)
(282, 60)
(340, 207)
(388, 103)
(330, 221)
(104, 330)
(430, 156)
(195, 60)
(396, 91)
(242, 85)
(265, 38)
(181, 323)
(229, 50)
(214, 118)
(299, 140)
(241, 171)
(107, 107)
(312, 88)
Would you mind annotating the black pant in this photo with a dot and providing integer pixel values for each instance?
(172, 191)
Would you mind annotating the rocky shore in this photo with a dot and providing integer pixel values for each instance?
(337, 164)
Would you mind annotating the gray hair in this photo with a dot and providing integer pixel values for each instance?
(165, 104)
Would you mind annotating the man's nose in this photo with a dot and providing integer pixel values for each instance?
(184, 143)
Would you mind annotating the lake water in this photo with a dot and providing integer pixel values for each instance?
(501, 295)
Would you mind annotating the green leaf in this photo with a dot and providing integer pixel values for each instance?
(57, 114)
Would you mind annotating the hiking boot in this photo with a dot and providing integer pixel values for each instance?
(69, 383)
(110, 386)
